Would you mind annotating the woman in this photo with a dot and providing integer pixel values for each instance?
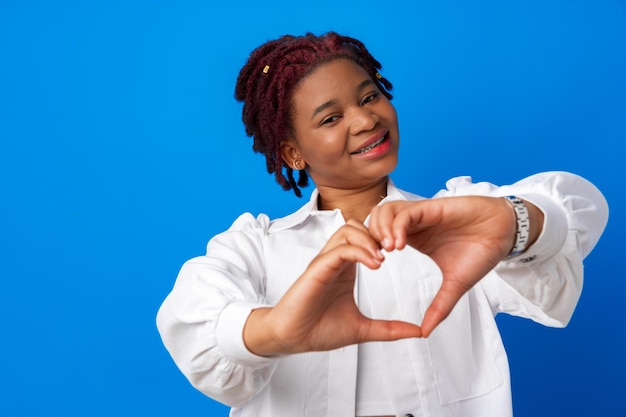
(368, 301)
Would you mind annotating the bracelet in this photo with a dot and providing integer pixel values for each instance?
(523, 225)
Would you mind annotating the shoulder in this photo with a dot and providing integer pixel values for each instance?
(249, 222)
(261, 224)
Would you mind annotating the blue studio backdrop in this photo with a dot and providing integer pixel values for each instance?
(122, 152)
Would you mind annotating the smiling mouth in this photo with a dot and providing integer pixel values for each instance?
(372, 146)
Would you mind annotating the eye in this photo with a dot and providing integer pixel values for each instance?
(330, 119)
(370, 98)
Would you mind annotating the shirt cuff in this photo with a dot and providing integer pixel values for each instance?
(553, 234)
(229, 334)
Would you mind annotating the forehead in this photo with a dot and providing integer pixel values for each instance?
(327, 81)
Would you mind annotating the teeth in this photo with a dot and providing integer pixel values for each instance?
(372, 146)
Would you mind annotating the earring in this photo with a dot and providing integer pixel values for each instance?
(296, 164)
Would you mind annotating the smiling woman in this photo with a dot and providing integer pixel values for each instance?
(348, 142)
(368, 300)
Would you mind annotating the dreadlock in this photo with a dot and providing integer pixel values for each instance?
(266, 82)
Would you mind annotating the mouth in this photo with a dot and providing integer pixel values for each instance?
(371, 146)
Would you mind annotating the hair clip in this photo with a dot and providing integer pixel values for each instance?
(266, 69)
(378, 75)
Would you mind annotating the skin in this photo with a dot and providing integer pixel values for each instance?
(337, 109)
(332, 122)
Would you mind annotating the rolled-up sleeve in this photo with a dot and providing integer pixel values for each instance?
(545, 282)
(201, 320)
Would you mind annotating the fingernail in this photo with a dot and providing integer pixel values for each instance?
(386, 243)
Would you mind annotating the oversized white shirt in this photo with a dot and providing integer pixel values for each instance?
(460, 370)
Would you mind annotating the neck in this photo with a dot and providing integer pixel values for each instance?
(353, 203)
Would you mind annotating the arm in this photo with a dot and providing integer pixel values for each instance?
(227, 341)
(202, 319)
(468, 233)
(319, 312)
(545, 283)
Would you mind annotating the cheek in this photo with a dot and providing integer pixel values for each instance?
(392, 114)
(325, 146)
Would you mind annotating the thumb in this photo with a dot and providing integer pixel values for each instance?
(441, 306)
(387, 330)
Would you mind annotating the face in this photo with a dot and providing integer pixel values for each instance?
(345, 129)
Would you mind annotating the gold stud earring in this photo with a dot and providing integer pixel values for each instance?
(296, 164)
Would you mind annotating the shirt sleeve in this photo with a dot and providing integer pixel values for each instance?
(201, 320)
(544, 283)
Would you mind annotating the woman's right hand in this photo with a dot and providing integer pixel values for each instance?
(319, 311)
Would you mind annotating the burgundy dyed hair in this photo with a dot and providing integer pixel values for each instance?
(266, 82)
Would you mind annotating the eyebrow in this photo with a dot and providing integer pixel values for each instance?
(332, 102)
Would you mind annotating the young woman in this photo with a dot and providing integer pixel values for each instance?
(368, 301)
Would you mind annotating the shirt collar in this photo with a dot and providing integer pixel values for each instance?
(310, 209)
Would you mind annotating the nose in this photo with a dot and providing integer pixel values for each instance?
(362, 119)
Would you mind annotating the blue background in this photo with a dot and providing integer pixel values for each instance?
(122, 153)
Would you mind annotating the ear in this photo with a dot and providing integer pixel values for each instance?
(291, 155)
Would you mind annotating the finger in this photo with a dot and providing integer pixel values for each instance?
(354, 233)
(441, 306)
(416, 217)
(326, 265)
(381, 218)
(408, 218)
(388, 330)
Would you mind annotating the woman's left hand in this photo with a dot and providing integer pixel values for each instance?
(465, 236)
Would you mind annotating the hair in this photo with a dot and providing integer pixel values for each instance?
(267, 80)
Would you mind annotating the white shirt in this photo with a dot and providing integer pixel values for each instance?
(460, 370)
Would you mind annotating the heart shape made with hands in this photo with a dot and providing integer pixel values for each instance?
(465, 236)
